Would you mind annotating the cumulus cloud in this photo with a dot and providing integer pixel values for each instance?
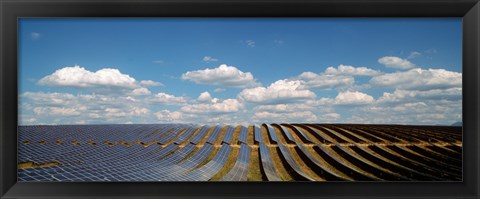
(204, 97)
(120, 112)
(330, 116)
(353, 98)
(284, 108)
(49, 99)
(418, 112)
(167, 99)
(225, 106)
(400, 96)
(278, 92)
(79, 77)
(223, 75)
(141, 91)
(396, 62)
(169, 116)
(107, 80)
(209, 59)
(325, 81)
(300, 116)
(55, 111)
(65, 108)
(150, 83)
(350, 70)
(419, 79)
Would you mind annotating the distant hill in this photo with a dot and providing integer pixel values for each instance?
(457, 124)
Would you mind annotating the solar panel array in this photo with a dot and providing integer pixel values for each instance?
(240, 169)
(182, 152)
(271, 133)
(243, 135)
(214, 135)
(258, 134)
(228, 135)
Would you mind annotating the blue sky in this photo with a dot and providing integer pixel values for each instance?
(391, 70)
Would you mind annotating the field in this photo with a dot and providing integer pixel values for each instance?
(266, 152)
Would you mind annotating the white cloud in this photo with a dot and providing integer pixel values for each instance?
(303, 116)
(225, 106)
(250, 43)
(169, 116)
(284, 108)
(400, 96)
(204, 97)
(350, 70)
(324, 81)
(308, 75)
(321, 102)
(223, 75)
(48, 99)
(150, 83)
(65, 108)
(125, 112)
(166, 99)
(396, 62)
(55, 111)
(331, 116)
(79, 77)
(353, 98)
(209, 59)
(413, 54)
(278, 92)
(418, 112)
(419, 79)
(141, 91)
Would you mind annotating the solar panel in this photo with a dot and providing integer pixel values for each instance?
(200, 135)
(189, 132)
(341, 165)
(257, 134)
(299, 131)
(366, 165)
(243, 135)
(180, 154)
(89, 153)
(267, 164)
(272, 133)
(197, 158)
(208, 170)
(317, 134)
(171, 135)
(228, 135)
(287, 133)
(240, 169)
(326, 173)
(288, 157)
(214, 135)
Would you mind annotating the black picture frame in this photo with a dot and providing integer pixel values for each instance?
(10, 10)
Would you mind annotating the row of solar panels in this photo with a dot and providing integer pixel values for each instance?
(139, 163)
(119, 163)
(162, 133)
(28, 151)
